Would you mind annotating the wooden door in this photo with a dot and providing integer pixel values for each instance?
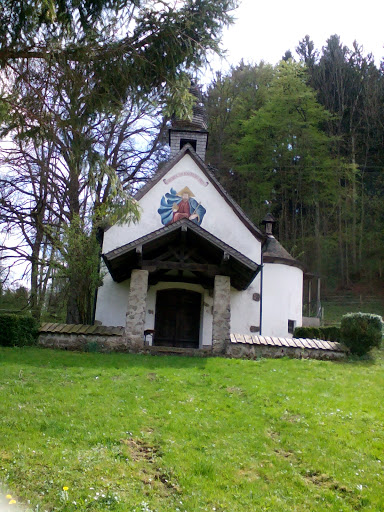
(177, 321)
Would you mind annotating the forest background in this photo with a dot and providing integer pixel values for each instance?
(302, 139)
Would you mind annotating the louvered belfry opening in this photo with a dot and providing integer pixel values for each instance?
(191, 131)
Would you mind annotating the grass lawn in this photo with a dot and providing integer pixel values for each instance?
(135, 433)
(334, 310)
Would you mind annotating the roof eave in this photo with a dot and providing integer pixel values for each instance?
(283, 261)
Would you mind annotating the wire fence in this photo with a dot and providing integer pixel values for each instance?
(334, 307)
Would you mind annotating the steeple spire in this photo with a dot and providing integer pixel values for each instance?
(191, 131)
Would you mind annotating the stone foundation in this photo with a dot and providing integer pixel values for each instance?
(98, 338)
(83, 342)
(100, 343)
(243, 351)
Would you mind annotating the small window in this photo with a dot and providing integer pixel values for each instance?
(291, 326)
(183, 142)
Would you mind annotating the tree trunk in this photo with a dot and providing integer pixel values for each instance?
(34, 296)
(317, 237)
(340, 243)
(73, 311)
(354, 213)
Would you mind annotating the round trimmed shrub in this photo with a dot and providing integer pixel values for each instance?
(360, 332)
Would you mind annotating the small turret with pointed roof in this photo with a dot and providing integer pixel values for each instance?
(191, 131)
(273, 251)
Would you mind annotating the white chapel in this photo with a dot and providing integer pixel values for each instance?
(194, 268)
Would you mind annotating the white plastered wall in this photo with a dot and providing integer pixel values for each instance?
(282, 298)
(112, 301)
(245, 311)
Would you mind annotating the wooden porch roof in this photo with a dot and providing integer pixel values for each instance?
(183, 252)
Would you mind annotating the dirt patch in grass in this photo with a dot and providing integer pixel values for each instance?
(324, 480)
(234, 390)
(5, 455)
(272, 434)
(140, 450)
(291, 418)
(151, 472)
(284, 454)
(249, 474)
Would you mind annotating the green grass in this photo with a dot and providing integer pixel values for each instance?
(334, 310)
(141, 433)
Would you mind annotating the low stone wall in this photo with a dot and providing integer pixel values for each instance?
(253, 346)
(83, 342)
(113, 339)
(241, 351)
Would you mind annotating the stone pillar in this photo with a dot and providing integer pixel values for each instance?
(137, 305)
(221, 314)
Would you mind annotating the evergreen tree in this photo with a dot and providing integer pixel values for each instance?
(75, 77)
(286, 158)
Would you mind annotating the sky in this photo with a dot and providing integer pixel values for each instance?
(265, 29)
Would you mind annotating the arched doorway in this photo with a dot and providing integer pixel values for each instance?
(177, 320)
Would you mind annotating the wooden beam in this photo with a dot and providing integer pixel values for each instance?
(139, 255)
(153, 265)
(225, 257)
(156, 278)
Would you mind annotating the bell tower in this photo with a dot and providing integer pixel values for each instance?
(194, 131)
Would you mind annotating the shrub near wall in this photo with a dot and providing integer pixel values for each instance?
(361, 331)
(17, 330)
(307, 332)
(330, 333)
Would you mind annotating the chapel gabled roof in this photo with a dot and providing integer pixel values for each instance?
(210, 176)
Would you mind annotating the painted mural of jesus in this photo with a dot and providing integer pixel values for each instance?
(180, 205)
(185, 209)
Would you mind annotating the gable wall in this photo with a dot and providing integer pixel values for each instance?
(219, 219)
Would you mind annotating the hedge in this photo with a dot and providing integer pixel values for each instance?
(361, 331)
(330, 333)
(17, 330)
(307, 332)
